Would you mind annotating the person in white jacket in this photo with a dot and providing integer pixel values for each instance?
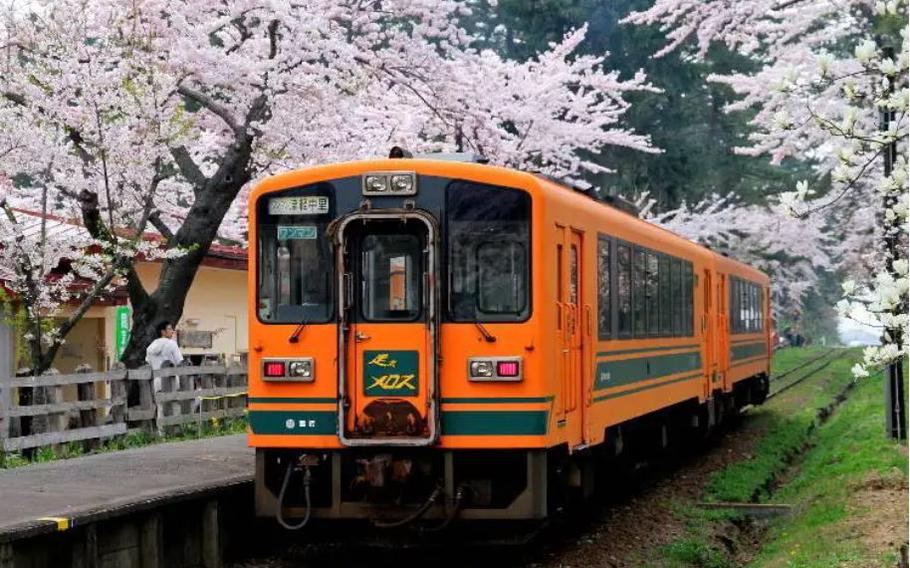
(164, 348)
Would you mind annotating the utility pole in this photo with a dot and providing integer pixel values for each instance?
(895, 401)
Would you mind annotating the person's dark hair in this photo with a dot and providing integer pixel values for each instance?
(161, 327)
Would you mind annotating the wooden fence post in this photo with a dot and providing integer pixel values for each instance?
(119, 389)
(5, 406)
(86, 417)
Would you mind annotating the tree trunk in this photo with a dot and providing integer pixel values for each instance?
(195, 236)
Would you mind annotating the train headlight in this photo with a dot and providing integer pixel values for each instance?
(390, 183)
(376, 184)
(481, 369)
(301, 369)
(403, 184)
(490, 369)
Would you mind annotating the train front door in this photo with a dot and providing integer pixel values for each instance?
(571, 329)
(387, 336)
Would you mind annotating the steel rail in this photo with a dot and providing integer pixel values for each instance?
(804, 364)
(812, 372)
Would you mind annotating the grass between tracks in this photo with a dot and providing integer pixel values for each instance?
(847, 482)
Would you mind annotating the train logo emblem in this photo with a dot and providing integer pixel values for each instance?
(390, 373)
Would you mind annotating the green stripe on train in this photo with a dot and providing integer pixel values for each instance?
(609, 374)
(458, 423)
(748, 350)
(294, 422)
(612, 395)
(495, 423)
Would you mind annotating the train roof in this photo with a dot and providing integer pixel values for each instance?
(498, 175)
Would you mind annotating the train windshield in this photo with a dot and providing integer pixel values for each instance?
(488, 231)
(295, 259)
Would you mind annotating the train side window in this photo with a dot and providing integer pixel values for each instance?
(604, 321)
(676, 302)
(761, 309)
(651, 297)
(624, 288)
(664, 293)
(744, 307)
(755, 309)
(687, 298)
(639, 300)
(734, 305)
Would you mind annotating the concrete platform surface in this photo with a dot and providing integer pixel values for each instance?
(65, 493)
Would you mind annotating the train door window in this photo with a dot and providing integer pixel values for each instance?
(604, 321)
(560, 296)
(639, 301)
(573, 275)
(391, 274)
(761, 309)
(664, 293)
(687, 298)
(624, 288)
(676, 302)
(652, 302)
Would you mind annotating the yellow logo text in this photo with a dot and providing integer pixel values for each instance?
(393, 382)
(382, 360)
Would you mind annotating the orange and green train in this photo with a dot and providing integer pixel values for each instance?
(432, 339)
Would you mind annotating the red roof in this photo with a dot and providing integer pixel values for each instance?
(218, 256)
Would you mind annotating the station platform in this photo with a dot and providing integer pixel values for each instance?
(65, 494)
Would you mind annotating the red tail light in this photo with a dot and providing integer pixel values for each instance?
(274, 369)
(507, 368)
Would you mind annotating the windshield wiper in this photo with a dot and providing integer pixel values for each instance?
(487, 336)
(295, 337)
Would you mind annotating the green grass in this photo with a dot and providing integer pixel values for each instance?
(848, 451)
(134, 439)
(814, 467)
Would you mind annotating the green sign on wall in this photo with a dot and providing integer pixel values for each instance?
(121, 330)
(390, 373)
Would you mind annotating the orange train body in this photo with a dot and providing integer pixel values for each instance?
(612, 322)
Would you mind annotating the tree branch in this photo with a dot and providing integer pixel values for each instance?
(155, 220)
(211, 105)
(188, 167)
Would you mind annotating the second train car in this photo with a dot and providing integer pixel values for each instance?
(435, 339)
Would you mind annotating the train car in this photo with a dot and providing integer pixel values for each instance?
(435, 339)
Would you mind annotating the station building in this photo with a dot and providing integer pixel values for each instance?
(213, 326)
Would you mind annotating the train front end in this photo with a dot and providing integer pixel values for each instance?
(396, 369)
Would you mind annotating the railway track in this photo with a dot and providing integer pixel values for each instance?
(820, 363)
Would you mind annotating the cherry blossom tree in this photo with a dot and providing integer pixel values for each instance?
(133, 116)
(833, 89)
(791, 251)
